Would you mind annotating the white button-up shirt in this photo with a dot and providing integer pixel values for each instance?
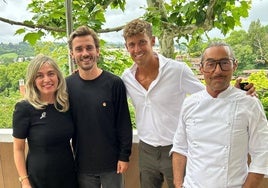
(157, 108)
(216, 135)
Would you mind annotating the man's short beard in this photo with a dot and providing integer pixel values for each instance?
(94, 58)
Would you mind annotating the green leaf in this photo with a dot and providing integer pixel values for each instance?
(20, 31)
(200, 17)
(32, 38)
(230, 22)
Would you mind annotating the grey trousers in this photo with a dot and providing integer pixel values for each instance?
(155, 165)
(102, 180)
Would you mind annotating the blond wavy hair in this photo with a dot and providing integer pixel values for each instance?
(137, 26)
(32, 94)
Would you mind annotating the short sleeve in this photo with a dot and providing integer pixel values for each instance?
(21, 120)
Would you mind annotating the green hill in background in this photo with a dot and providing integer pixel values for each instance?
(11, 52)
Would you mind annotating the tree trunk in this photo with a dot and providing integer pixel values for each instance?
(165, 39)
(166, 42)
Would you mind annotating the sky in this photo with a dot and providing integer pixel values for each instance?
(16, 10)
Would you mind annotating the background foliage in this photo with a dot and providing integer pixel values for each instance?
(112, 59)
(172, 21)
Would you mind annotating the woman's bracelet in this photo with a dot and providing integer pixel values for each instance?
(23, 178)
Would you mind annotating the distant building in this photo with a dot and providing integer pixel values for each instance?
(20, 59)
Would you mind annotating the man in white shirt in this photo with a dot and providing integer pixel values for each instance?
(218, 128)
(157, 87)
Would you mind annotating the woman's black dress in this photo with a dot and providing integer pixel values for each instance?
(50, 162)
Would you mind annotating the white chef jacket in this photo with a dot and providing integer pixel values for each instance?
(158, 108)
(216, 134)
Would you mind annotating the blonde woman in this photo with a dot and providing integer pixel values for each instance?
(44, 120)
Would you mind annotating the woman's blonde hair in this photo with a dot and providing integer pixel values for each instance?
(32, 94)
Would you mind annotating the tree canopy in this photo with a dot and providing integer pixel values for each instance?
(171, 20)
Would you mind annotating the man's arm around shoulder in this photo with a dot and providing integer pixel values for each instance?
(253, 180)
(179, 164)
